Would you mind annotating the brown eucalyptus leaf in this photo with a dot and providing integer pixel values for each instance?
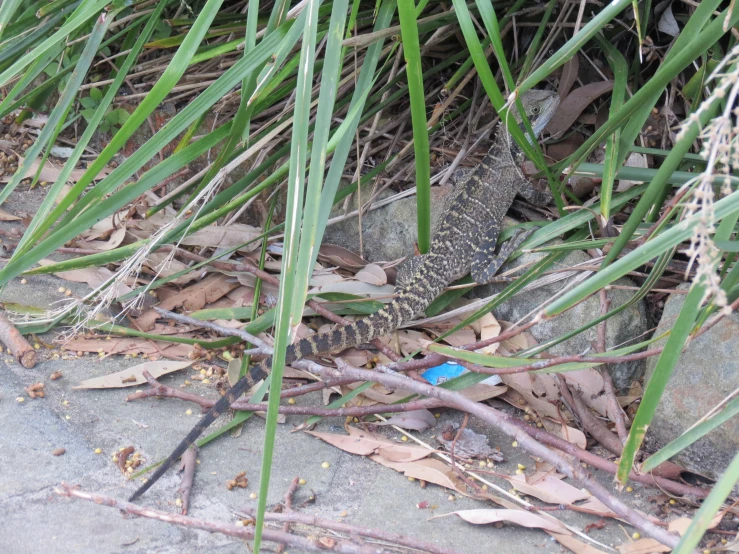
(430, 470)
(132, 376)
(549, 489)
(415, 420)
(365, 443)
(227, 236)
(573, 105)
(372, 274)
(519, 517)
(341, 257)
(568, 77)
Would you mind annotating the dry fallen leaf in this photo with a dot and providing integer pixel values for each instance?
(133, 375)
(365, 443)
(341, 257)
(573, 105)
(416, 420)
(519, 517)
(372, 274)
(192, 298)
(5, 216)
(549, 489)
(429, 470)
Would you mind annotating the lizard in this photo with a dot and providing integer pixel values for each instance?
(464, 242)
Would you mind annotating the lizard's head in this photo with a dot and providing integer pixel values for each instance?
(540, 106)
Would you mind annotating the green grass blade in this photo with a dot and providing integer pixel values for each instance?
(86, 11)
(669, 239)
(309, 239)
(287, 316)
(41, 223)
(412, 53)
(7, 9)
(620, 73)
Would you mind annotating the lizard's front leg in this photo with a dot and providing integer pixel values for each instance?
(486, 263)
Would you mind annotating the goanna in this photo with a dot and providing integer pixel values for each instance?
(464, 242)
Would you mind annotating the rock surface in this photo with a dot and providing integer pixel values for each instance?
(622, 329)
(705, 374)
(388, 233)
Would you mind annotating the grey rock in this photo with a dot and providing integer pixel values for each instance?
(622, 329)
(705, 374)
(388, 233)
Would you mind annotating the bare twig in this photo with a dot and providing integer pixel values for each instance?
(303, 543)
(188, 462)
(617, 414)
(352, 530)
(289, 508)
(159, 390)
(590, 423)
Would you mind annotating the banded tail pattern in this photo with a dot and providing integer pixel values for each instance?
(403, 308)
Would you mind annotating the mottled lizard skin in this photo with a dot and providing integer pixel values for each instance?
(464, 242)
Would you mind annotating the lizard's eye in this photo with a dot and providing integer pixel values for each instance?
(535, 110)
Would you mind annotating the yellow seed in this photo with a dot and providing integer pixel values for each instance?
(178, 502)
(20, 399)
(539, 424)
(437, 416)
(629, 489)
(672, 501)
(451, 497)
(61, 289)
(490, 465)
(188, 412)
(411, 479)
(636, 536)
(404, 438)
(325, 465)
(206, 381)
(519, 472)
(187, 382)
(67, 417)
(355, 420)
(481, 463)
(240, 523)
(291, 401)
(68, 292)
(484, 487)
(36, 346)
(514, 444)
(343, 513)
(706, 551)
(121, 449)
(24, 281)
(98, 451)
(521, 466)
(253, 496)
(302, 482)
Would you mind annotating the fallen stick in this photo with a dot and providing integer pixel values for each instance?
(329, 544)
(18, 346)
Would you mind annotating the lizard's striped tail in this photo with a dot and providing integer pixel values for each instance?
(361, 331)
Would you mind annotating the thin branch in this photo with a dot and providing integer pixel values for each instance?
(352, 530)
(303, 543)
